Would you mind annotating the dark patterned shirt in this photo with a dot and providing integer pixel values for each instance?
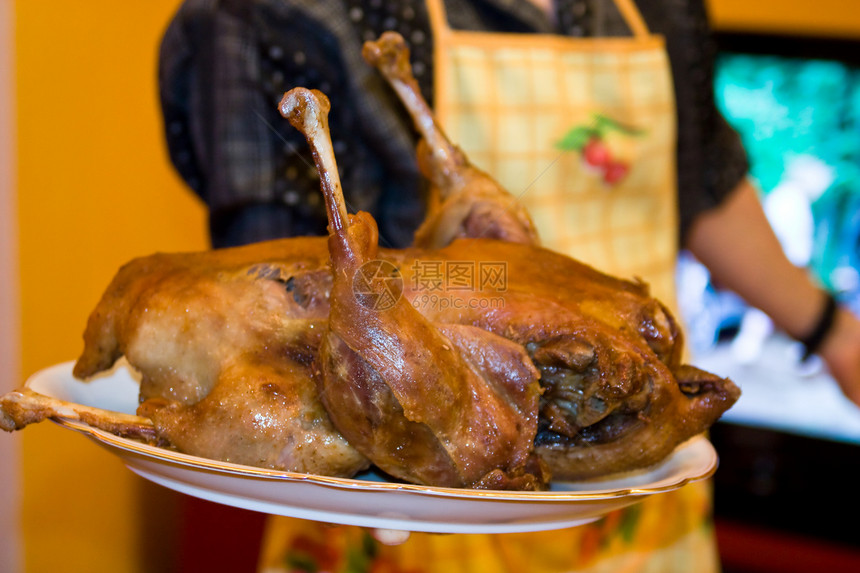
(224, 66)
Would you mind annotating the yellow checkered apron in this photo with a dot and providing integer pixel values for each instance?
(524, 108)
(508, 100)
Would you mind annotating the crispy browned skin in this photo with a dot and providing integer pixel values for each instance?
(169, 313)
(225, 350)
(608, 354)
(261, 412)
(466, 202)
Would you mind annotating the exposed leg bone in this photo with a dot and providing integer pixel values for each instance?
(22, 407)
(390, 56)
(466, 201)
(307, 111)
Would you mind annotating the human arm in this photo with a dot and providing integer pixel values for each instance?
(736, 243)
(721, 219)
(222, 129)
(223, 68)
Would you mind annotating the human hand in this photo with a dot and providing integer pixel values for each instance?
(390, 536)
(840, 350)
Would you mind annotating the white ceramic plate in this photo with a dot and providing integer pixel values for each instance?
(368, 500)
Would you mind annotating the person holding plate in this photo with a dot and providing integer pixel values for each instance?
(598, 115)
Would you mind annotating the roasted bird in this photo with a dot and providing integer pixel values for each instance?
(475, 363)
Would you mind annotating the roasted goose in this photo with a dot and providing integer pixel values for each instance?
(324, 355)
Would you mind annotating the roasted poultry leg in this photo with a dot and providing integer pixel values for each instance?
(452, 406)
(465, 201)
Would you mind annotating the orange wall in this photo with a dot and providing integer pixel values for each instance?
(94, 190)
(810, 17)
(10, 352)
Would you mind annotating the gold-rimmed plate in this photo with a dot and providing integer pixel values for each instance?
(368, 499)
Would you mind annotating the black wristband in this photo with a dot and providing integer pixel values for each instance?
(813, 340)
